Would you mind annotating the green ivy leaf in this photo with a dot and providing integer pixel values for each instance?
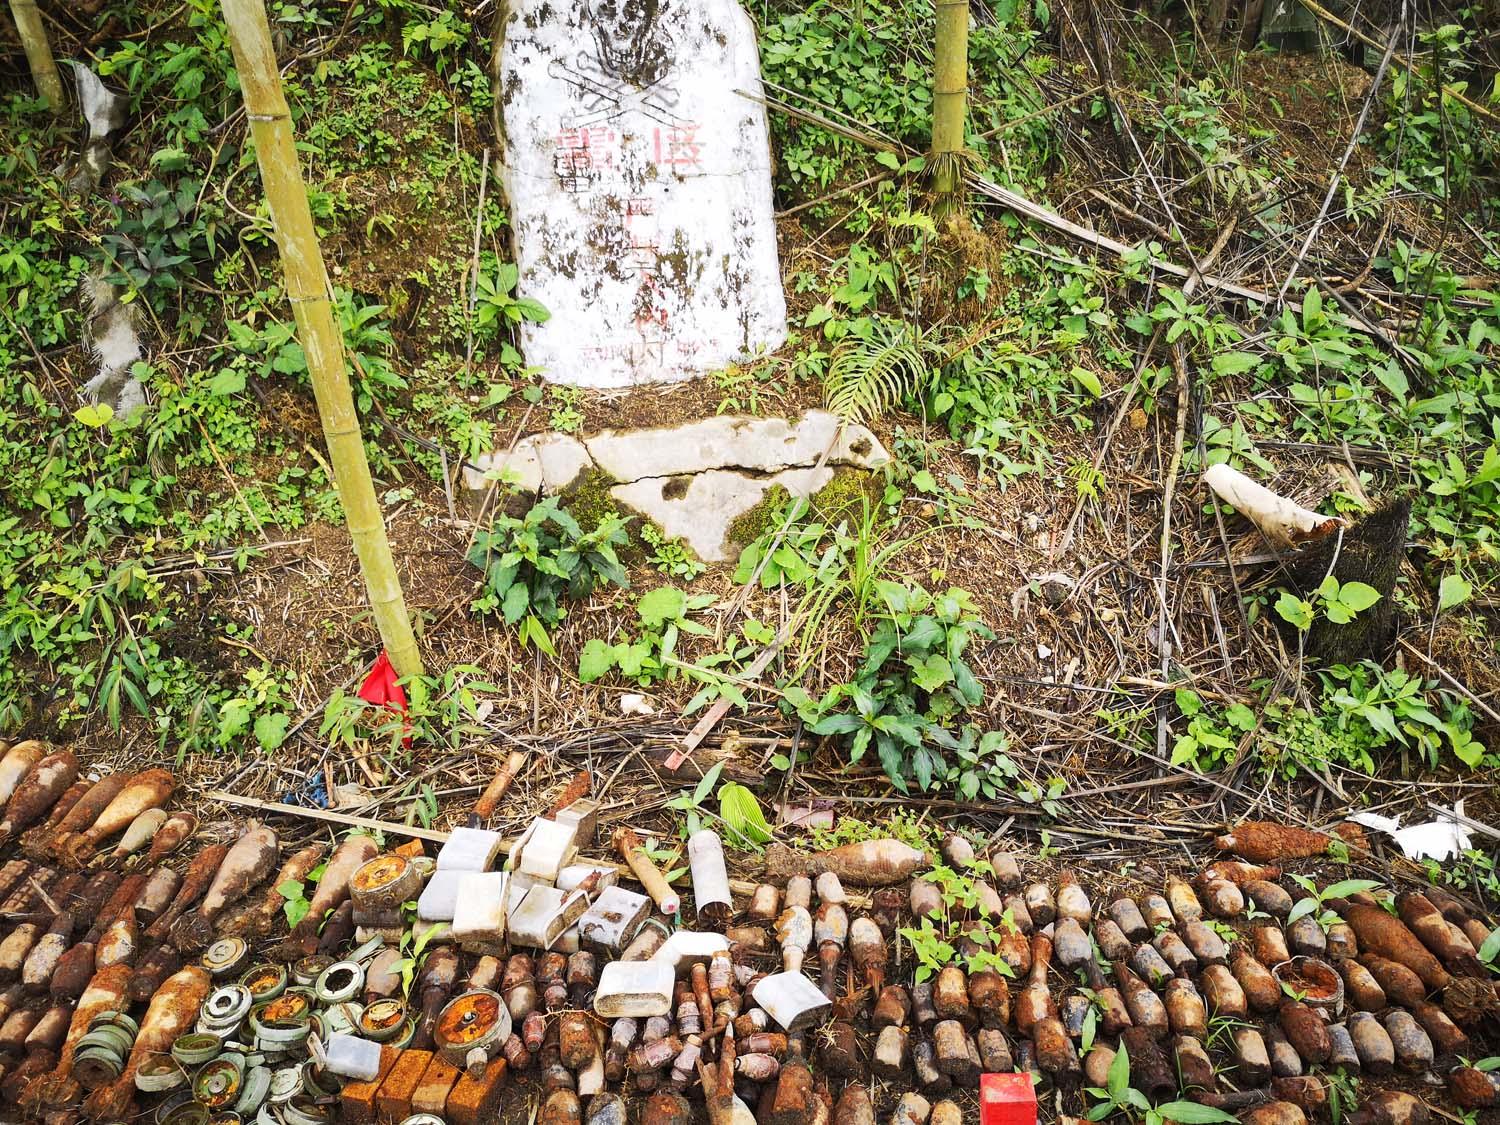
(743, 815)
(1453, 591)
(1088, 381)
(1234, 363)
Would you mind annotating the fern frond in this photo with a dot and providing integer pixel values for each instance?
(869, 376)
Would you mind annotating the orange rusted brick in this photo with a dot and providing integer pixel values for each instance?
(357, 1100)
(431, 1094)
(474, 1102)
(393, 1101)
(412, 849)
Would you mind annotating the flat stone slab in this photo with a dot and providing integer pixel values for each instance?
(638, 178)
(701, 509)
(692, 481)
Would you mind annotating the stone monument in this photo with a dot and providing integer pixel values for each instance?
(636, 161)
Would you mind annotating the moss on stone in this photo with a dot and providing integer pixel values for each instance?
(845, 496)
(751, 525)
(589, 501)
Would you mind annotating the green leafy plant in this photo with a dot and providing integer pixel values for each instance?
(912, 686)
(532, 563)
(670, 556)
(1312, 904)
(651, 656)
(1119, 1096)
(1339, 602)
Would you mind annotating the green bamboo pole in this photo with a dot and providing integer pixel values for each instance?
(307, 289)
(38, 52)
(950, 92)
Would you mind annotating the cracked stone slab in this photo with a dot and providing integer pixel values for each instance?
(637, 167)
(551, 463)
(758, 445)
(543, 463)
(700, 508)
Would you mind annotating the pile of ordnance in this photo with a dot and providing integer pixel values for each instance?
(137, 976)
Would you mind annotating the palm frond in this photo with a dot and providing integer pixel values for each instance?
(870, 375)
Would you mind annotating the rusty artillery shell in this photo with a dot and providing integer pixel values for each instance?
(1305, 938)
(1176, 953)
(1390, 1107)
(924, 1065)
(1020, 917)
(576, 1040)
(1400, 984)
(799, 891)
(1073, 1009)
(1341, 942)
(1251, 1058)
(1150, 965)
(1260, 987)
(950, 995)
(1222, 993)
(1055, 1052)
(994, 1051)
(854, 1107)
(1071, 946)
(1007, 871)
(956, 1054)
(922, 1010)
(1158, 912)
(1305, 1030)
(1285, 1061)
(1342, 1053)
(1206, 945)
(989, 998)
(1447, 1038)
(1361, 988)
(757, 1067)
(765, 904)
(1145, 1007)
(888, 1059)
(1269, 898)
(1307, 1092)
(1414, 1052)
(1275, 1113)
(518, 986)
(892, 1007)
(1125, 914)
(1221, 898)
(534, 1030)
(1183, 902)
(1186, 1012)
(1472, 1088)
(1194, 1068)
(1372, 1043)
(1040, 904)
(1111, 940)
(1269, 945)
(1072, 901)
(1096, 1064)
(1150, 1071)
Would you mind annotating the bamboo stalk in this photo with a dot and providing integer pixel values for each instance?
(950, 91)
(38, 53)
(308, 291)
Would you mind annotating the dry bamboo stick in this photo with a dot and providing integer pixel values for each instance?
(308, 291)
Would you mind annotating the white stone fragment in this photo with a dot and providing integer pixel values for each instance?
(637, 168)
(543, 915)
(352, 1057)
(634, 988)
(545, 849)
(700, 509)
(792, 1000)
(730, 441)
(469, 849)
(686, 946)
(479, 915)
(571, 876)
(611, 921)
(440, 896)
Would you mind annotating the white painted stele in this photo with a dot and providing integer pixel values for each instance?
(639, 183)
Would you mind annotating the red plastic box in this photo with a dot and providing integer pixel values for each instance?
(1006, 1099)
